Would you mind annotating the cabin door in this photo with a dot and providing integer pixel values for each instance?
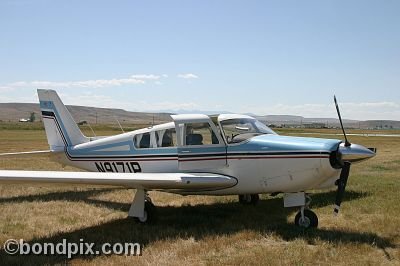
(200, 146)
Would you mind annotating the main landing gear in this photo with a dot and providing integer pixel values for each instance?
(305, 217)
(249, 199)
(142, 208)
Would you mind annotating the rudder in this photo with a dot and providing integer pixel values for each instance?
(61, 129)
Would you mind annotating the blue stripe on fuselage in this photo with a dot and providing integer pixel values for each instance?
(269, 142)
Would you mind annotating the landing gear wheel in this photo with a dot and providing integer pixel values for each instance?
(148, 214)
(244, 199)
(248, 199)
(310, 219)
(254, 199)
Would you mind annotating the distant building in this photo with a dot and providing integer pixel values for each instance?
(314, 125)
(289, 125)
(23, 120)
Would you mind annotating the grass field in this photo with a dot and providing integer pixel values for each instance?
(205, 230)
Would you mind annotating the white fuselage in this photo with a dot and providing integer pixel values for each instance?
(256, 172)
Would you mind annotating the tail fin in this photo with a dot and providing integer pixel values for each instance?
(61, 129)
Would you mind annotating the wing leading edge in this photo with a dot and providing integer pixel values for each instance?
(27, 153)
(148, 181)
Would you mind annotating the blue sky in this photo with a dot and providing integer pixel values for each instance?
(263, 57)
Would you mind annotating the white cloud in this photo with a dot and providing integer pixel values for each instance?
(146, 77)
(96, 100)
(90, 99)
(92, 83)
(188, 76)
(98, 83)
(95, 83)
(6, 89)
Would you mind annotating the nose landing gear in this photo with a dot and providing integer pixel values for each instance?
(305, 217)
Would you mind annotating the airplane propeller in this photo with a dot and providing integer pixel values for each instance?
(344, 175)
(341, 183)
(346, 143)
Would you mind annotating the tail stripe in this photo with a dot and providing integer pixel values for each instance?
(50, 115)
(54, 114)
(62, 130)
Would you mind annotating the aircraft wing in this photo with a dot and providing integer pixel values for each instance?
(28, 153)
(148, 181)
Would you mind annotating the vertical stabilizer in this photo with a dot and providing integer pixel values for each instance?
(61, 129)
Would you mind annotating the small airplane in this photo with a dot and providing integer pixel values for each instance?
(226, 154)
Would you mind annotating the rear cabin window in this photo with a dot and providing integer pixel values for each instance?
(166, 138)
(157, 139)
(142, 141)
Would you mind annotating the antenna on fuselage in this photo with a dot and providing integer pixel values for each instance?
(91, 129)
(119, 124)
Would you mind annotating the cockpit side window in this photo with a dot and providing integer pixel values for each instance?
(238, 130)
(199, 134)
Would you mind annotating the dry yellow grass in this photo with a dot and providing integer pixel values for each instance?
(206, 230)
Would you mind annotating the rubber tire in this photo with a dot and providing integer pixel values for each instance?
(243, 199)
(254, 199)
(247, 199)
(149, 210)
(307, 214)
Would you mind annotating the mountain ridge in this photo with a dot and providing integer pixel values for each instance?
(14, 111)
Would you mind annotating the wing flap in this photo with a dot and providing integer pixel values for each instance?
(150, 181)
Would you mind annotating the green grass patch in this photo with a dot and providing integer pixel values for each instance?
(203, 229)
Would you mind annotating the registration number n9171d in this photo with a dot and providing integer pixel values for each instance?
(118, 167)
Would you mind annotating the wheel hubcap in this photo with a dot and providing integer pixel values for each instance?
(304, 222)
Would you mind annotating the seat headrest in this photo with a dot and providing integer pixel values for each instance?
(194, 139)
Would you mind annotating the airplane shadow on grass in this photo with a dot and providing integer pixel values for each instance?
(199, 222)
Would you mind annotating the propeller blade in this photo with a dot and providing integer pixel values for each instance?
(342, 182)
(346, 143)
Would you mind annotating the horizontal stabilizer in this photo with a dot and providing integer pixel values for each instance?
(150, 181)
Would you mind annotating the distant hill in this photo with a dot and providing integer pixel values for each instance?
(298, 120)
(292, 120)
(15, 111)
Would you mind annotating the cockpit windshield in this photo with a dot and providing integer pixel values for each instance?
(238, 130)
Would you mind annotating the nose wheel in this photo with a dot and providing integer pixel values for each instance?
(306, 218)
